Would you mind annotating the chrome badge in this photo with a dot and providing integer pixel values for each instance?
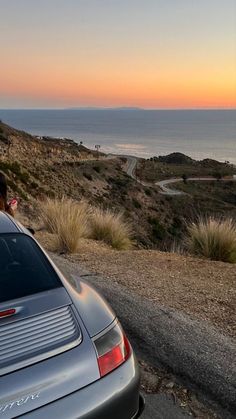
(10, 405)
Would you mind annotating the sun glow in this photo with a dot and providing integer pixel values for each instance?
(114, 62)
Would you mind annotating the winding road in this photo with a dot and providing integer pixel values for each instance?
(132, 161)
(130, 167)
(167, 191)
(163, 184)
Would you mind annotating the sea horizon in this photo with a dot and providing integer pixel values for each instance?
(115, 108)
(198, 133)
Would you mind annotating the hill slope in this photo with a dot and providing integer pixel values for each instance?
(39, 167)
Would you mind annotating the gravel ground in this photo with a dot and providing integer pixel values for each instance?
(198, 287)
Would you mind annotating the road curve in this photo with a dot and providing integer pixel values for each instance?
(130, 167)
(130, 170)
(132, 161)
(162, 184)
(167, 191)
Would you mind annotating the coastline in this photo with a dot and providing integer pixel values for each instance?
(144, 134)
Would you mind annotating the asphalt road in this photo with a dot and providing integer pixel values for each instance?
(191, 349)
(131, 166)
(160, 406)
(163, 184)
(167, 191)
(130, 170)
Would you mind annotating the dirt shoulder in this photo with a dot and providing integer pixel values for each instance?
(197, 287)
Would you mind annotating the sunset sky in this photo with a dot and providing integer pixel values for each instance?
(146, 53)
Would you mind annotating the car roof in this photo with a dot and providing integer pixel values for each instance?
(9, 225)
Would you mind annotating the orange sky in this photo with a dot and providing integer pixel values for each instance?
(153, 57)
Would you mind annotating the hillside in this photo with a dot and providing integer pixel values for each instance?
(178, 164)
(39, 167)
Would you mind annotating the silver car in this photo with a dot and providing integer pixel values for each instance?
(63, 353)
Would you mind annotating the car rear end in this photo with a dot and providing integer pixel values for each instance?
(50, 363)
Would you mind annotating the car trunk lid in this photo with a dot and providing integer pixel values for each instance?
(41, 326)
(46, 328)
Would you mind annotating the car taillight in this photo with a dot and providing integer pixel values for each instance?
(8, 312)
(113, 348)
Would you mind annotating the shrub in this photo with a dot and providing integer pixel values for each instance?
(176, 227)
(88, 176)
(136, 203)
(213, 238)
(158, 230)
(13, 186)
(34, 185)
(50, 194)
(68, 220)
(3, 168)
(15, 167)
(217, 175)
(97, 169)
(24, 177)
(120, 183)
(148, 192)
(111, 228)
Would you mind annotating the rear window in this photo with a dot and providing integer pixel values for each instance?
(24, 269)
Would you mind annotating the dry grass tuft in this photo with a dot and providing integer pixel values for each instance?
(111, 228)
(50, 210)
(71, 221)
(68, 219)
(177, 247)
(213, 238)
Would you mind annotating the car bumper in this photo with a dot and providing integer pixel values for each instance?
(114, 396)
(141, 407)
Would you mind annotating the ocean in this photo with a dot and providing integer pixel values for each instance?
(145, 133)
